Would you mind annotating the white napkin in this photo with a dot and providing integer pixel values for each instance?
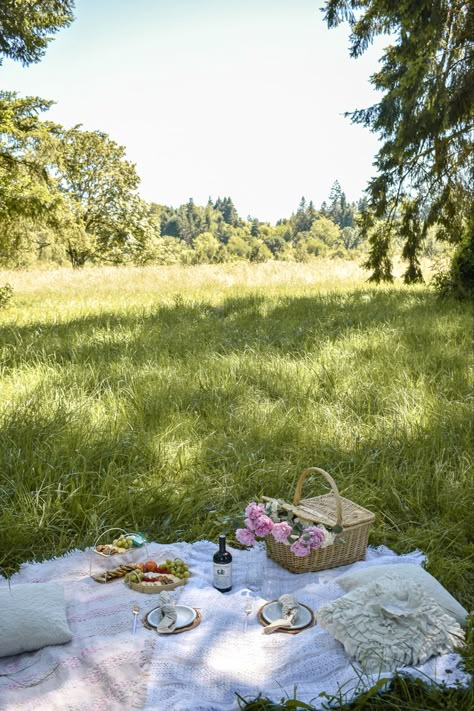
(169, 615)
(289, 613)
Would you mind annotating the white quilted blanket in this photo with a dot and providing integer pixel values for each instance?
(105, 668)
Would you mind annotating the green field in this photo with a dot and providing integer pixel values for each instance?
(165, 398)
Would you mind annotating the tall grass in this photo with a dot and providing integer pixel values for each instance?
(162, 399)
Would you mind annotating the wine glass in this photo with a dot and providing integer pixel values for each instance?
(271, 588)
(253, 574)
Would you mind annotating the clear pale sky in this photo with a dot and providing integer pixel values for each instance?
(214, 97)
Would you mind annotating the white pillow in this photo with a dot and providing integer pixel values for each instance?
(406, 572)
(31, 617)
(386, 626)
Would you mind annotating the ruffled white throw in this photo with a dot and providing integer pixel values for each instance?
(200, 670)
(386, 625)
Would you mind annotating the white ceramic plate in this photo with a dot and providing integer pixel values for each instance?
(186, 615)
(272, 611)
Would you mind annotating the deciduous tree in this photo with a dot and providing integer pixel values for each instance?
(100, 186)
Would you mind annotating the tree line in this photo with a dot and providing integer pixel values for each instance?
(216, 233)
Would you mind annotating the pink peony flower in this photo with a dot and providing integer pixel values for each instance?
(281, 531)
(245, 536)
(316, 536)
(254, 511)
(263, 526)
(251, 523)
(300, 548)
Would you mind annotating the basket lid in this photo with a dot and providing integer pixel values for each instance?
(322, 509)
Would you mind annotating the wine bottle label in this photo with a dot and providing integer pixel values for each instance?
(222, 575)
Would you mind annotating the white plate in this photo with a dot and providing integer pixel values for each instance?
(186, 615)
(272, 611)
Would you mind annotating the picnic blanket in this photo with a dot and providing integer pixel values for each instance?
(106, 668)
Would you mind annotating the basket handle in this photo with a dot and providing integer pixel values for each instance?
(331, 482)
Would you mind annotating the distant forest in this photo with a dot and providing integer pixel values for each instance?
(216, 232)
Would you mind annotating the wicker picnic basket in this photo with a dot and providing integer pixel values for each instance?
(351, 522)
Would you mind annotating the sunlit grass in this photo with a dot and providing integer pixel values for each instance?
(161, 399)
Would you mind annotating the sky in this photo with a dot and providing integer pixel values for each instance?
(239, 98)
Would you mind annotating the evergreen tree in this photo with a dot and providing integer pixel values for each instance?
(227, 209)
(208, 216)
(335, 194)
(254, 227)
(311, 214)
(410, 231)
(425, 119)
(362, 204)
(301, 221)
(339, 210)
(169, 223)
(26, 27)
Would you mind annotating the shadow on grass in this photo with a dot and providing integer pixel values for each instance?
(293, 326)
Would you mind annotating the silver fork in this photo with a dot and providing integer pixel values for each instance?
(248, 610)
(135, 610)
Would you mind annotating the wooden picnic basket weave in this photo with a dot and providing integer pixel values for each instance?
(352, 523)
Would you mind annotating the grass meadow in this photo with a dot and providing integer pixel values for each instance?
(165, 398)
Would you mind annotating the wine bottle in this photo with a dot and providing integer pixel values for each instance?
(222, 567)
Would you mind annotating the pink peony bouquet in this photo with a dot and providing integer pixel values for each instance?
(263, 520)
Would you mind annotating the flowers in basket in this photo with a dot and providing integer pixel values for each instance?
(272, 519)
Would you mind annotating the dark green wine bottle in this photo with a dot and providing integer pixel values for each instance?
(222, 568)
